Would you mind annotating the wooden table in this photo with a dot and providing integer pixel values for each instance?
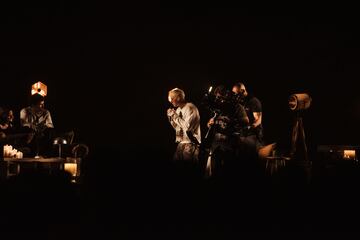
(13, 166)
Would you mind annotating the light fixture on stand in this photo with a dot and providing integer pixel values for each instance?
(59, 142)
(299, 103)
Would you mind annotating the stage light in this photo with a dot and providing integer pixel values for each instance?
(39, 88)
(299, 101)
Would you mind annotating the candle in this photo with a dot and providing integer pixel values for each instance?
(5, 150)
(8, 150)
(13, 153)
(19, 155)
(71, 168)
(349, 154)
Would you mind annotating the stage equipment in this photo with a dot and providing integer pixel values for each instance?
(299, 103)
(39, 88)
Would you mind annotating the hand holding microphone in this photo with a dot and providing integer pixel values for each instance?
(170, 112)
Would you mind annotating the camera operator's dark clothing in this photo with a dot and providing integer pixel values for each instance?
(227, 129)
(231, 122)
(251, 105)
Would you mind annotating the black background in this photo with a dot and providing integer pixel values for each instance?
(108, 68)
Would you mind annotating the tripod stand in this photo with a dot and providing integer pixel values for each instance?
(209, 150)
(298, 129)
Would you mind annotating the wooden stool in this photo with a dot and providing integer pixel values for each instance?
(272, 164)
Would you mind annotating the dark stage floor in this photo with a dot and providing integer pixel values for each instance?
(141, 194)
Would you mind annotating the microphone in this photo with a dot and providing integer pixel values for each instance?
(170, 107)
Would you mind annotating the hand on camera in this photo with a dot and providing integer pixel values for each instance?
(211, 122)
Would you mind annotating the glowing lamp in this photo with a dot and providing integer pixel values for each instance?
(349, 154)
(59, 141)
(300, 101)
(39, 88)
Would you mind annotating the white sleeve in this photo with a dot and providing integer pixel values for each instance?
(24, 118)
(48, 121)
(190, 120)
(173, 124)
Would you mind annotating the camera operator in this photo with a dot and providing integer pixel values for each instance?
(228, 127)
(254, 136)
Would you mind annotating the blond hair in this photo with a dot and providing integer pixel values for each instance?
(178, 93)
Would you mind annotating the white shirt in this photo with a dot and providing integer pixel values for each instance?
(186, 119)
(37, 121)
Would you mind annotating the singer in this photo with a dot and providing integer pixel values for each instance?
(186, 122)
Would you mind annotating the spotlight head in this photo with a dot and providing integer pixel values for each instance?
(39, 88)
(299, 101)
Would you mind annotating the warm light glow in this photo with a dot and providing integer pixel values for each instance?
(208, 166)
(39, 88)
(169, 98)
(299, 101)
(210, 89)
(71, 168)
(11, 152)
(349, 154)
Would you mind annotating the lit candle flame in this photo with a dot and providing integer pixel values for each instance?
(71, 168)
(349, 154)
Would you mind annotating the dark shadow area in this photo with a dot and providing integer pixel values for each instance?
(123, 193)
(151, 195)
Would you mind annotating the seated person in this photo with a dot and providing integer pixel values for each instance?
(10, 132)
(36, 117)
(6, 119)
(37, 120)
(6, 122)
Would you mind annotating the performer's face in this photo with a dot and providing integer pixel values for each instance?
(235, 89)
(174, 99)
(40, 105)
(239, 90)
(10, 117)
